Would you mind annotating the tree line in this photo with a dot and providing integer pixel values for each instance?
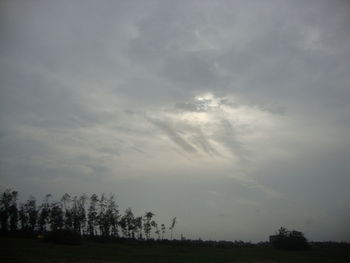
(94, 215)
(99, 217)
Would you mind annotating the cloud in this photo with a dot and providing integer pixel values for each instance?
(164, 102)
(229, 139)
(174, 135)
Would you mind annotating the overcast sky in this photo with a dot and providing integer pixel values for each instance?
(233, 116)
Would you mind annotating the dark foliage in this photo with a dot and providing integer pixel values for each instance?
(63, 237)
(94, 216)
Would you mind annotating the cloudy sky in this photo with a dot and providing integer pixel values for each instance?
(233, 116)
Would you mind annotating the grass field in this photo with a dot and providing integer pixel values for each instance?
(33, 250)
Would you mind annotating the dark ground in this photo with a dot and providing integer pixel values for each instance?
(34, 250)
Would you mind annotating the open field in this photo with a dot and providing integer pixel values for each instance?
(29, 250)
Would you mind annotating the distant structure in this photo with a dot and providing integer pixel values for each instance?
(285, 239)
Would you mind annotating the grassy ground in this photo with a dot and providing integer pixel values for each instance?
(30, 250)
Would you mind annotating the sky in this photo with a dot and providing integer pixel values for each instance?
(233, 116)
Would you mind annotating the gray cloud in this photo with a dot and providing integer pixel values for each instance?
(247, 109)
(229, 139)
(173, 135)
(205, 144)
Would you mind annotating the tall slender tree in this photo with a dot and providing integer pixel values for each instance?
(13, 212)
(32, 212)
(129, 221)
(138, 227)
(82, 214)
(28, 215)
(44, 214)
(78, 214)
(123, 226)
(100, 216)
(67, 210)
(147, 226)
(163, 230)
(173, 222)
(56, 216)
(92, 215)
(103, 218)
(8, 210)
(155, 226)
(23, 218)
(113, 215)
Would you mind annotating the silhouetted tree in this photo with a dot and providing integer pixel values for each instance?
(123, 226)
(56, 216)
(75, 216)
(8, 210)
(155, 225)
(92, 214)
(112, 214)
(173, 222)
(67, 210)
(23, 218)
(129, 221)
(82, 213)
(32, 213)
(78, 213)
(44, 214)
(138, 227)
(103, 217)
(14, 212)
(163, 230)
(147, 226)
(283, 232)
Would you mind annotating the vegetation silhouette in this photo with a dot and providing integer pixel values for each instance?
(292, 240)
(85, 216)
(97, 218)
